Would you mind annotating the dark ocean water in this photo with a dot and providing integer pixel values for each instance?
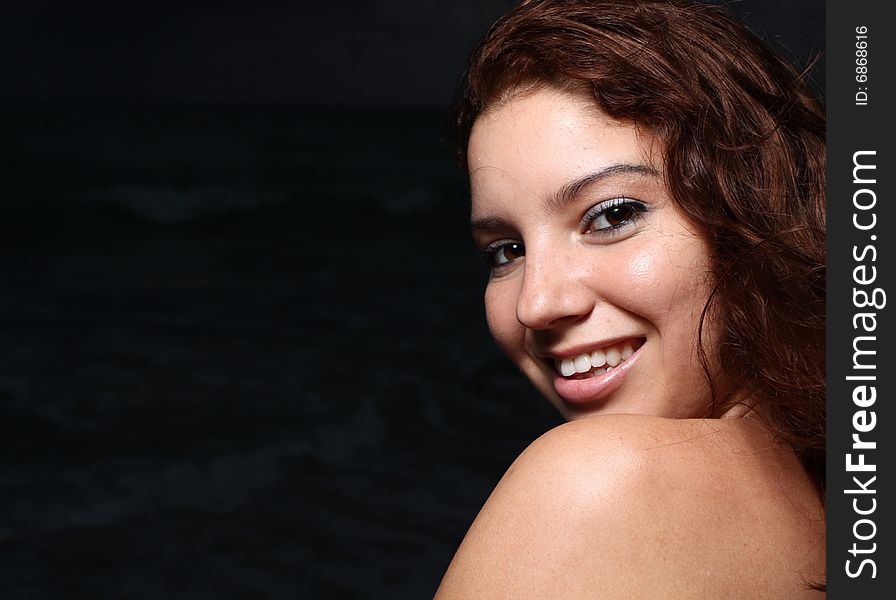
(243, 355)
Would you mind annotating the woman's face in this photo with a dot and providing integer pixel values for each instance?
(598, 282)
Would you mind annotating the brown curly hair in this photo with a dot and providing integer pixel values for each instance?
(744, 160)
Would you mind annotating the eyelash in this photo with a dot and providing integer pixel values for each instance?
(488, 255)
(602, 209)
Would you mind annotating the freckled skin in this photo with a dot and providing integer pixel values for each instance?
(648, 279)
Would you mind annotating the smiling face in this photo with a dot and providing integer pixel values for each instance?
(598, 282)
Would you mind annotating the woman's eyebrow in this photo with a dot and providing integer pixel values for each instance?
(565, 195)
(489, 224)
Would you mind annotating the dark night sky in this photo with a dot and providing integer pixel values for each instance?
(347, 52)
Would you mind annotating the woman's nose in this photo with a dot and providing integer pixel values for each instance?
(552, 292)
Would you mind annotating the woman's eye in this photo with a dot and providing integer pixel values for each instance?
(503, 254)
(613, 214)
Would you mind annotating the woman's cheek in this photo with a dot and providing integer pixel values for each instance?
(642, 267)
(667, 275)
(642, 276)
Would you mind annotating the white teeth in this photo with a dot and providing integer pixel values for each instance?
(567, 367)
(597, 362)
(583, 364)
(613, 357)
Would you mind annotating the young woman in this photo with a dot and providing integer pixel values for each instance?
(647, 185)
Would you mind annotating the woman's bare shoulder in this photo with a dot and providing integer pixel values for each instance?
(622, 506)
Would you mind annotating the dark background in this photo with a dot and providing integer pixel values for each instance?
(243, 353)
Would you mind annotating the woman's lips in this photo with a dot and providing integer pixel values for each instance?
(590, 388)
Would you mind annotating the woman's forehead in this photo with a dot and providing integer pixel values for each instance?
(547, 139)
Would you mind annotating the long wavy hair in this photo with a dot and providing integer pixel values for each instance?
(744, 160)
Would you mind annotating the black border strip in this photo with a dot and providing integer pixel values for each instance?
(860, 103)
